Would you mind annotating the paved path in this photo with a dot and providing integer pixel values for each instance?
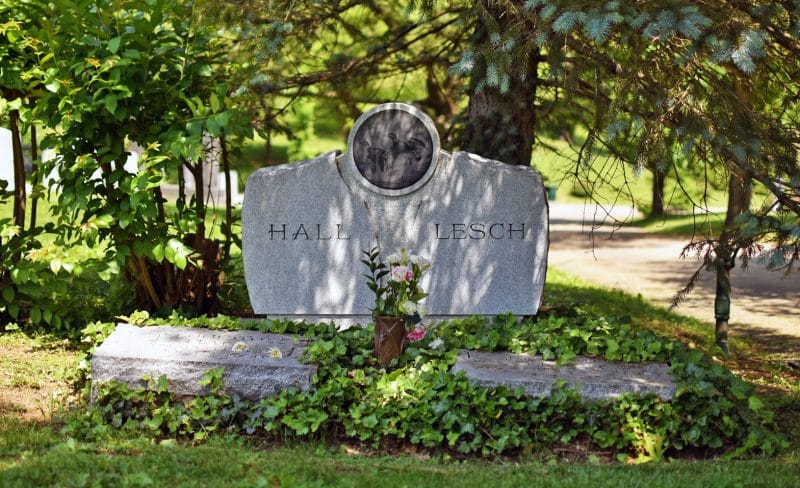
(764, 304)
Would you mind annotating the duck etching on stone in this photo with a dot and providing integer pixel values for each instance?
(412, 147)
(376, 156)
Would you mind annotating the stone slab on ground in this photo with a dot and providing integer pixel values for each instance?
(594, 378)
(250, 359)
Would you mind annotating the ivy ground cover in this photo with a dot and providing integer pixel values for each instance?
(418, 402)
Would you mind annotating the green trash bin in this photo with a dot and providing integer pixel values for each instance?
(551, 192)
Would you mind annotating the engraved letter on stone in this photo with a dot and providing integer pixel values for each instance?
(272, 232)
(511, 231)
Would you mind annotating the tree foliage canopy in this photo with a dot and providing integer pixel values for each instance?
(692, 90)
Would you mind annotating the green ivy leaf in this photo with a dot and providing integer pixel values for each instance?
(222, 119)
(194, 127)
(212, 127)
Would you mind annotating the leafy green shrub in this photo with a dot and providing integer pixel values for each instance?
(58, 290)
(421, 402)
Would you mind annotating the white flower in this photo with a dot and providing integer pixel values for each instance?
(239, 347)
(419, 261)
(276, 353)
(436, 343)
(422, 311)
(409, 307)
(399, 257)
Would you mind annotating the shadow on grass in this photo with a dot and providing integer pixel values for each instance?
(567, 293)
(699, 225)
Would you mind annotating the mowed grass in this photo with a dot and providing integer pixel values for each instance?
(701, 224)
(564, 292)
(39, 457)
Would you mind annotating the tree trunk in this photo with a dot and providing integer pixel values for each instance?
(19, 172)
(440, 102)
(659, 180)
(35, 175)
(739, 196)
(499, 125)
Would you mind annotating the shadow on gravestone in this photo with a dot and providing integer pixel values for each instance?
(483, 224)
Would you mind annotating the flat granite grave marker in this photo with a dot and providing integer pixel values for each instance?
(256, 364)
(483, 225)
(594, 378)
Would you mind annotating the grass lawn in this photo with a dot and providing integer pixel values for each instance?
(35, 453)
(689, 225)
(47, 460)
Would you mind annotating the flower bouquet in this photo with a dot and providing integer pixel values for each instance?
(398, 312)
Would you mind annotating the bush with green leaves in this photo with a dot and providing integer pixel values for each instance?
(146, 73)
(421, 402)
(52, 287)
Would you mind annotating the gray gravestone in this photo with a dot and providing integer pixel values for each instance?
(6, 158)
(256, 364)
(594, 378)
(483, 225)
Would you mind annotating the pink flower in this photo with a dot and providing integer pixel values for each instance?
(417, 334)
(401, 273)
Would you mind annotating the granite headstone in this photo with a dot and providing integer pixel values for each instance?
(483, 225)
